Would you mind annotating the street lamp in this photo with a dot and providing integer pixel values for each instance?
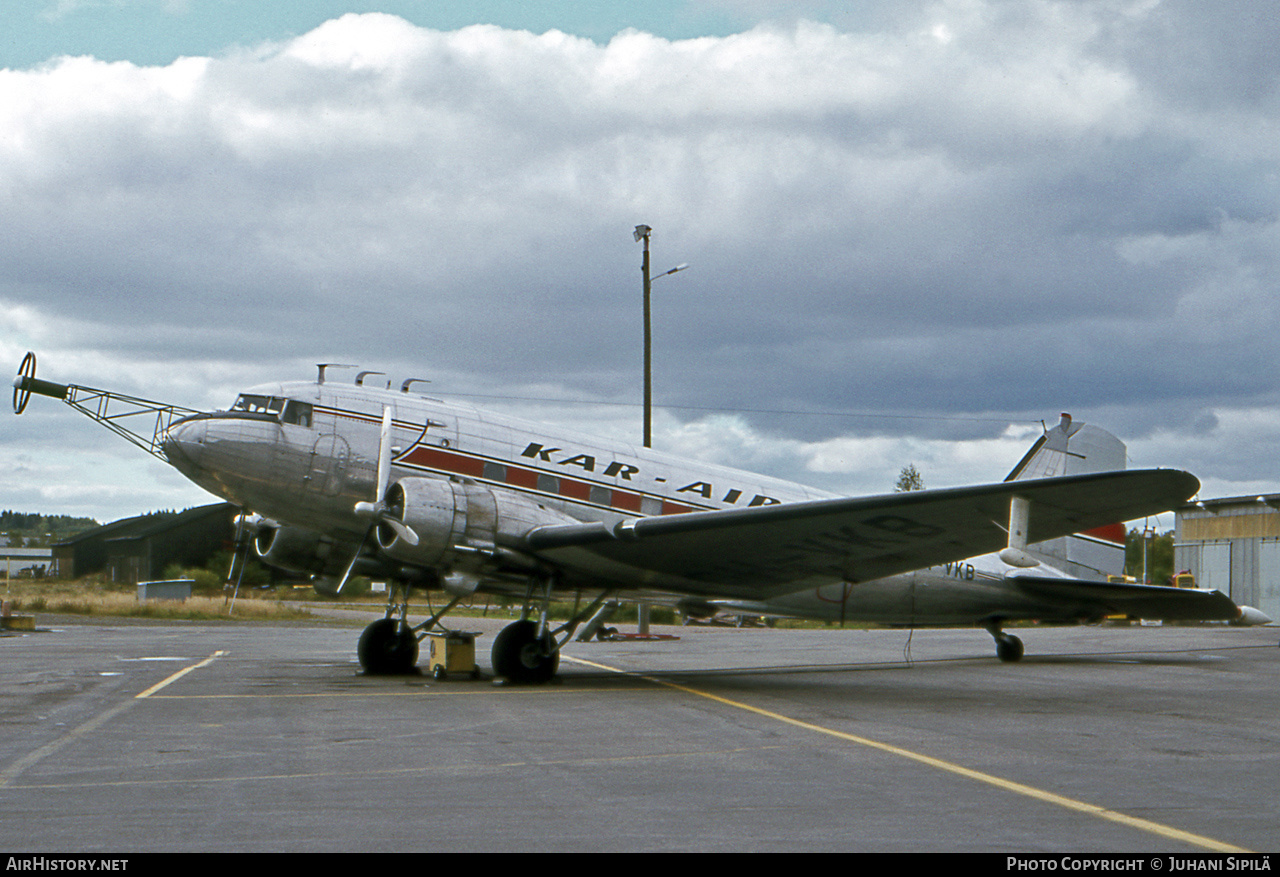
(642, 233)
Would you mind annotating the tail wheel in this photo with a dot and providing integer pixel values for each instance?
(1009, 648)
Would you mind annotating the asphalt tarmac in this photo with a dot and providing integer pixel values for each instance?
(133, 737)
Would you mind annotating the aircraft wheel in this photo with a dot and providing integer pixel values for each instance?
(387, 647)
(1009, 648)
(520, 657)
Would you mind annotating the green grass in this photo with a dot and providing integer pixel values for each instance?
(92, 597)
(95, 596)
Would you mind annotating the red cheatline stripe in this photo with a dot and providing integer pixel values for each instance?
(518, 476)
(435, 458)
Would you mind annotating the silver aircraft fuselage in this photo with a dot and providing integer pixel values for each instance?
(304, 454)
(308, 452)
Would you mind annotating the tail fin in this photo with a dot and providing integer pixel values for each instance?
(1072, 449)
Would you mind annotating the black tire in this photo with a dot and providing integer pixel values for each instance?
(1009, 648)
(519, 657)
(387, 647)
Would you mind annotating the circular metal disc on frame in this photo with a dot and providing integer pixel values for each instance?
(20, 393)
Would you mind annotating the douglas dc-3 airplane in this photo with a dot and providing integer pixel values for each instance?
(337, 479)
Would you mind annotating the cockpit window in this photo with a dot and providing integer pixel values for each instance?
(258, 404)
(298, 413)
(274, 407)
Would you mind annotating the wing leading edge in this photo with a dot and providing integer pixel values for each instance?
(769, 550)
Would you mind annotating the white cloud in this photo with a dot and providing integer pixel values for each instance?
(976, 210)
(62, 9)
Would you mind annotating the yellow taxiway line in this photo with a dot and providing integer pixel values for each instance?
(176, 676)
(11, 773)
(1146, 825)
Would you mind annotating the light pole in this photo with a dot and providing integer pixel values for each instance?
(1147, 534)
(642, 233)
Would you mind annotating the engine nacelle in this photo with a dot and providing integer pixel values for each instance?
(701, 610)
(458, 521)
(430, 508)
(295, 549)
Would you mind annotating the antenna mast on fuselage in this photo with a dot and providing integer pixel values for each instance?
(324, 365)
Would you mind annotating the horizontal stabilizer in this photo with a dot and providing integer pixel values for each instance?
(1134, 600)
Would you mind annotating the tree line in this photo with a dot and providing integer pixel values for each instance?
(34, 530)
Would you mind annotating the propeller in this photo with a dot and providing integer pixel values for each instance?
(378, 512)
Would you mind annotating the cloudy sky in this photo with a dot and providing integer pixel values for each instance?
(914, 230)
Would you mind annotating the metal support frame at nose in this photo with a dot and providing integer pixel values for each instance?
(112, 410)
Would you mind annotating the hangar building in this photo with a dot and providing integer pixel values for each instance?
(1233, 545)
(23, 562)
(139, 549)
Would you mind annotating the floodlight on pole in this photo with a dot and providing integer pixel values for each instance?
(642, 233)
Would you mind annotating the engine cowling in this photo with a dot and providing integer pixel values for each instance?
(458, 521)
(295, 549)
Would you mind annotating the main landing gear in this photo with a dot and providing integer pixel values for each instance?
(528, 651)
(1008, 646)
(389, 646)
(525, 652)
(522, 654)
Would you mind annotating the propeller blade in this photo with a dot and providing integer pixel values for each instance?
(350, 566)
(402, 529)
(384, 457)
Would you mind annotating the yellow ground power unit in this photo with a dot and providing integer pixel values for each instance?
(453, 653)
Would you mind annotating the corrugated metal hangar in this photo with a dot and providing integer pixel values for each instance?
(25, 562)
(138, 549)
(1233, 545)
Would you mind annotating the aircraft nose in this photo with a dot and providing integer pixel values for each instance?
(184, 443)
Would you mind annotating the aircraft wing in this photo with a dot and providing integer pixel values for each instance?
(768, 550)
